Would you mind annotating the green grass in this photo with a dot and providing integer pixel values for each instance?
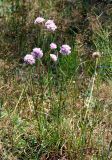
(55, 111)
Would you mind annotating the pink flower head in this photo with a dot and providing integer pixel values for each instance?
(37, 53)
(29, 59)
(39, 20)
(49, 22)
(50, 25)
(53, 57)
(65, 49)
(53, 46)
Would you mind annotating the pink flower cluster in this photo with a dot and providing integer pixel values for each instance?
(64, 50)
(37, 53)
(49, 24)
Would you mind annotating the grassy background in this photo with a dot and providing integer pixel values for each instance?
(56, 111)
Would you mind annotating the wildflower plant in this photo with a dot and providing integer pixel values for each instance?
(53, 109)
(37, 53)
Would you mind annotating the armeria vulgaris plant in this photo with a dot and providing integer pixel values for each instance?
(37, 53)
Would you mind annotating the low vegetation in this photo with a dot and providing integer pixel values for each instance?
(56, 105)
